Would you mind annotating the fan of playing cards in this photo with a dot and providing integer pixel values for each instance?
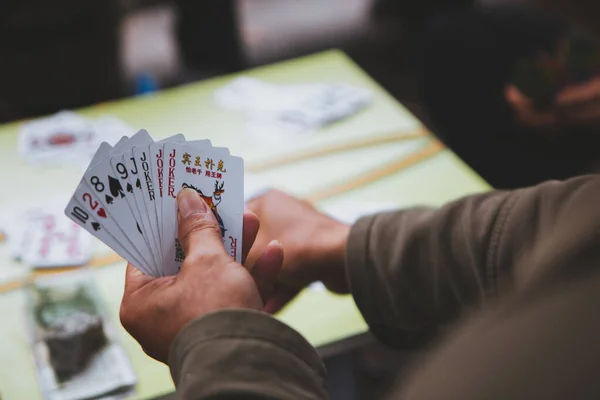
(127, 197)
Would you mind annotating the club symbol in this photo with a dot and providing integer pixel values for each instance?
(109, 199)
(115, 187)
(129, 188)
(138, 183)
(96, 226)
(101, 212)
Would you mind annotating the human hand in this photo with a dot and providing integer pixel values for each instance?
(314, 244)
(577, 105)
(154, 310)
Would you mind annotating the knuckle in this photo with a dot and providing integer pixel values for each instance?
(200, 236)
(199, 223)
(161, 309)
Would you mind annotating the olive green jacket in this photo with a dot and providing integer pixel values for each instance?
(515, 273)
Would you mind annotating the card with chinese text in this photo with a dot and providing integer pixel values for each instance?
(127, 197)
(218, 179)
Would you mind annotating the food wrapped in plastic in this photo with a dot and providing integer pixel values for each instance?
(74, 343)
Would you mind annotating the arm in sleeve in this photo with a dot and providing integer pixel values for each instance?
(415, 271)
(244, 354)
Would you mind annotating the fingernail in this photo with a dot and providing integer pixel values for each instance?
(188, 203)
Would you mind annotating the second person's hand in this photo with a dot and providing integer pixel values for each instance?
(314, 245)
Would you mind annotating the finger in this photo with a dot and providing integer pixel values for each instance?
(134, 278)
(251, 226)
(267, 268)
(281, 295)
(579, 93)
(583, 113)
(199, 231)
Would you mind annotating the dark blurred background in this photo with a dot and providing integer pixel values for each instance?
(65, 53)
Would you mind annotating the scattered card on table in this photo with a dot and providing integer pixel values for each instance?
(276, 110)
(68, 138)
(45, 238)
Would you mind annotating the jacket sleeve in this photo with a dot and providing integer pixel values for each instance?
(415, 271)
(244, 354)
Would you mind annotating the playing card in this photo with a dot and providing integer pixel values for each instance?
(291, 108)
(107, 189)
(127, 197)
(87, 212)
(218, 178)
(126, 169)
(91, 223)
(145, 192)
(68, 138)
(156, 168)
(20, 230)
(167, 159)
(55, 241)
(41, 237)
(54, 138)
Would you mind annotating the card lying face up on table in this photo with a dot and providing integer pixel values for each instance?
(127, 197)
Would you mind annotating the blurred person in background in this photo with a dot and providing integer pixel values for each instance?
(66, 54)
(57, 54)
(209, 35)
(514, 91)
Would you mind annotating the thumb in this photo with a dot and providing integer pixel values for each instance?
(266, 269)
(199, 232)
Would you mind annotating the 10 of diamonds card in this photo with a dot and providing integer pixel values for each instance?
(127, 197)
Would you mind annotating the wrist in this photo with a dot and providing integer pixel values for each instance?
(331, 255)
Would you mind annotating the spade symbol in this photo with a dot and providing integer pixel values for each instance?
(129, 188)
(139, 229)
(96, 226)
(102, 213)
(115, 187)
(138, 184)
(109, 199)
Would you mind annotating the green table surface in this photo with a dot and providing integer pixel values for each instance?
(321, 317)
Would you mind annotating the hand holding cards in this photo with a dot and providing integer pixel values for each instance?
(209, 280)
(127, 197)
